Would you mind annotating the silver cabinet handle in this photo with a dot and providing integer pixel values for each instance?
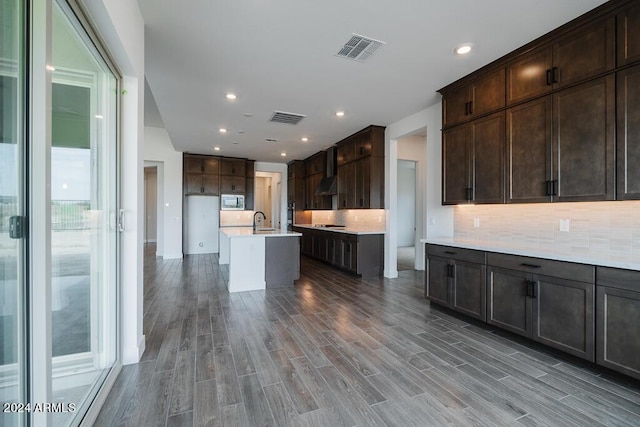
(121, 220)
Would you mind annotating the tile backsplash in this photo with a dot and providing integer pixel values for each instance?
(357, 219)
(611, 228)
(236, 218)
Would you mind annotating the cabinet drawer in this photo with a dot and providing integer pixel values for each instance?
(544, 267)
(618, 278)
(461, 254)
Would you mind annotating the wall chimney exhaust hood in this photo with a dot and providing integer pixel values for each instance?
(329, 185)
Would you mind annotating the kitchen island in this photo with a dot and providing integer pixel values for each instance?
(259, 259)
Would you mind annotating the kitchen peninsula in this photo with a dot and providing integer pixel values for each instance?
(259, 259)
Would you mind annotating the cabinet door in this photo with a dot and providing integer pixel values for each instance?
(469, 290)
(232, 184)
(455, 106)
(211, 165)
(291, 188)
(584, 139)
(193, 183)
(338, 251)
(488, 159)
(507, 302)
(210, 184)
(529, 151)
(363, 184)
(618, 335)
(249, 195)
(488, 93)
(455, 167)
(628, 123)
(233, 167)
(350, 255)
(564, 316)
(629, 35)
(527, 76)
(437, 280)
(192, 164)
(584, 53)
(346, 186)
(376, 183)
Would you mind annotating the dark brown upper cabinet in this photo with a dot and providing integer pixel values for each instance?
(584, 141)
(233, 167)
(529, 151)
(629, 35)
(201, 175)
(295, 184)
(473, 157)
(483, 95)
(232, 184)
(577, 56)
(367, 142)
(628, 123)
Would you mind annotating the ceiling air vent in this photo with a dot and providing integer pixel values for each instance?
(286, 118)
(270, 140)
(359, 48)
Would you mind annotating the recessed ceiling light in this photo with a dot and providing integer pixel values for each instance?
(305, 139)
(463, 49)
(222, 130)
(339, 113)
(216, 148)
(231, 96)
(283, 154)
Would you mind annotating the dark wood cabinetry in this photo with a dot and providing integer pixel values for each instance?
(295, 184)
(233, 176)
(360, 160)
(473, 161)
(628, 124)
(618, 317)
(232, 184)
(629, 35)
(233, 167)
(315, 167)
(577, 56)
(551, 302)
(201, 175)
(483, 95)
(250, 186)
(360, 254)
(455, 278)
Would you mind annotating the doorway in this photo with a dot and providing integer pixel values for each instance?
(151, 204)
(406, 214)
(268, 189)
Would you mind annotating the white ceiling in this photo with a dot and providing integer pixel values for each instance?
(280, 55)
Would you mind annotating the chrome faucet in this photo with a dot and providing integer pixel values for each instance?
(264, 218)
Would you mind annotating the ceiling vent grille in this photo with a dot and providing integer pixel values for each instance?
(270, 140)
(359, 48)
(286, 118)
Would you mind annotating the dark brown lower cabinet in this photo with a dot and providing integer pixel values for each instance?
(551, 302)
(360, 254)
(618, 320)
(455, 278)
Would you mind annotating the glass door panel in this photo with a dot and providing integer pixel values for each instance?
(83, 206)
(12, 157)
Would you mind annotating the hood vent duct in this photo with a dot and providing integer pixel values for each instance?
(329, 184)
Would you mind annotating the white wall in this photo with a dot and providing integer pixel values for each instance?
(120, 24)
(437, 220)
(159, 149)
(282, 169)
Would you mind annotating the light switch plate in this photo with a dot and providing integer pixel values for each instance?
(565, 225)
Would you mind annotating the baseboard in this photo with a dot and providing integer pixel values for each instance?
(391, 274)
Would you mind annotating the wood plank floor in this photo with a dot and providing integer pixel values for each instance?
(341, 351)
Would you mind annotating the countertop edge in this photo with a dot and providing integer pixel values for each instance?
(343, 231)
(535, 253)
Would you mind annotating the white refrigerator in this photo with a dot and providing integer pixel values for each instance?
(203, 219)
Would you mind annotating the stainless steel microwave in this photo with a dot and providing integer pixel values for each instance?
(231, 202)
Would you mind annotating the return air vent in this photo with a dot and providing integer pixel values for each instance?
(270, 140)
(286, 118)
(359, 48)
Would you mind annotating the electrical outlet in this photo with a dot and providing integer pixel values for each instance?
(476, 222)
(565, 225)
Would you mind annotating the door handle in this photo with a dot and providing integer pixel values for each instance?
(532, 291)
(549, 79)
(121, 220)
(556, 74)
(17, 225)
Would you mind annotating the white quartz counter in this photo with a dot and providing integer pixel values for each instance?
(244, 250)
(340, 230)
(604, 259)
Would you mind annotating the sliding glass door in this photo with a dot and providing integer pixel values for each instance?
(12, 208)
(83, 214)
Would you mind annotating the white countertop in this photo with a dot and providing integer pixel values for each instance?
(340, 230)
(604, 259)
(248, 232)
